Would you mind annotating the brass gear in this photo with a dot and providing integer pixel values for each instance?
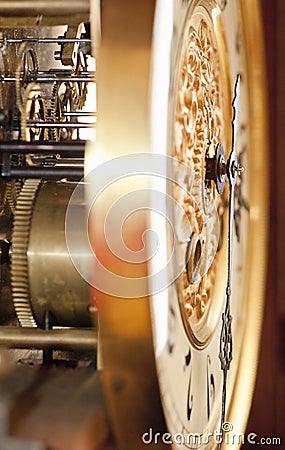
(27, 65)
(19, 258)
(9, 189)
(3, 198)
(13, 189)
(62, 101)
(3, 92)
(79, 89)
(2, 71)
(33, 108)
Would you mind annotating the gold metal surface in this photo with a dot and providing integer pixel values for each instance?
(43, 276)
(55, 284)
(124, 64)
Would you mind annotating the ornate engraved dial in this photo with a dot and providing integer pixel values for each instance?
(207, 61)
(198, 47)
(201, 123)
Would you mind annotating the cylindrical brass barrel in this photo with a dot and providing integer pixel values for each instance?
(45, 283)
(55, 285)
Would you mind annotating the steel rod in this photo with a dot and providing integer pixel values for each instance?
(72, 147)
(79, 113)
(51, 173)
(56, 339)
(72, 78)
(69, 162)
(50, 79)
(65, 72)
(60, 40)
(35, 124)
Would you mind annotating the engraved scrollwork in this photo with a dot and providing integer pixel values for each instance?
(198, 129)
(222, 4)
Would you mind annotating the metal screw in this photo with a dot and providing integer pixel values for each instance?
(238, 169)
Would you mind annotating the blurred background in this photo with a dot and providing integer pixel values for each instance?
(268, 409)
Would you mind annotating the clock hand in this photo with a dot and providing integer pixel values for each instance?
(232, 171)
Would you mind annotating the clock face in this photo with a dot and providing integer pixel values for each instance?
(194, 51)
(210, 49)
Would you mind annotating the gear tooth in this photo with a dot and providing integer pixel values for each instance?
(53, 135)
(24, 48)
(3, 69)
(33, 93)
(79, 89)
(79, 98)
(58, 105)
(19, 258)
(13, 191)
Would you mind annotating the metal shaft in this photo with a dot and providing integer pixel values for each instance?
(50, 78)
(72, 147)
(72, 78)
(79, 114)
(51, 173)
(56, 339)
(66, 72)
(60, 40)
(36, 124)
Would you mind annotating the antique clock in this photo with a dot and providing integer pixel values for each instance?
(134, 157)
(181, 140)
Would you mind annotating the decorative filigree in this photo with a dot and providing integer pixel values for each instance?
(222, 4)
(198, 128)
(226, 341)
